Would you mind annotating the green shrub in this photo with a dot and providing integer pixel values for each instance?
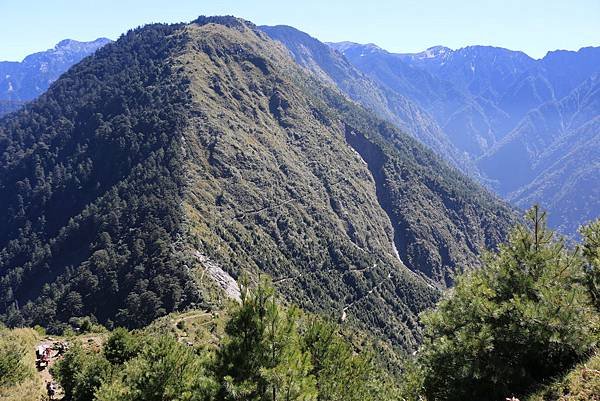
(12, 367)
(81, 372)
(121, 346)
(163, 370)
(19, 380)
(40, 330)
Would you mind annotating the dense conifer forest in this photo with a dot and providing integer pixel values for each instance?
(141, 174)
(90, 181)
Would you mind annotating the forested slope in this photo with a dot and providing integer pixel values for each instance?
(91, 183)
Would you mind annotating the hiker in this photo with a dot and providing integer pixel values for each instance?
(51, 389)
(39, 352)
(60, 348)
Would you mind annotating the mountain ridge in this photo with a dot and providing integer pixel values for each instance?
(314, 55)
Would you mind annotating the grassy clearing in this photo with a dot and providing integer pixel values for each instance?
(31, 387)
(195, 327)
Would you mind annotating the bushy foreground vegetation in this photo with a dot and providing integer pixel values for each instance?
(526, 325)
(269, 352)
(13, 368)
(18, 379)
(527, 316)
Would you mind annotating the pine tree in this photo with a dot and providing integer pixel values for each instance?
(13, 366)
(81, 372)
(342, 373)
(164, 370)
(522, 318)
(121, 346)
(260, 358)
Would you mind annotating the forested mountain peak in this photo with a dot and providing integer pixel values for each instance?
(228, 21)
(153, 174)
(215, 210)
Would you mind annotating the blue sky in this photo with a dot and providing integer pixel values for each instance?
(533, 26)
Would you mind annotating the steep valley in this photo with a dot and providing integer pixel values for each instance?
(517, 121)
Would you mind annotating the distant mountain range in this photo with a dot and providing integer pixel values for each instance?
(524, 127)
(23, 81)
(530, 126)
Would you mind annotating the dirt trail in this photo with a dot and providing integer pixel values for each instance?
(251, 212)
(373, 289)
(45, 372)
(192, 316)
(299, 275)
